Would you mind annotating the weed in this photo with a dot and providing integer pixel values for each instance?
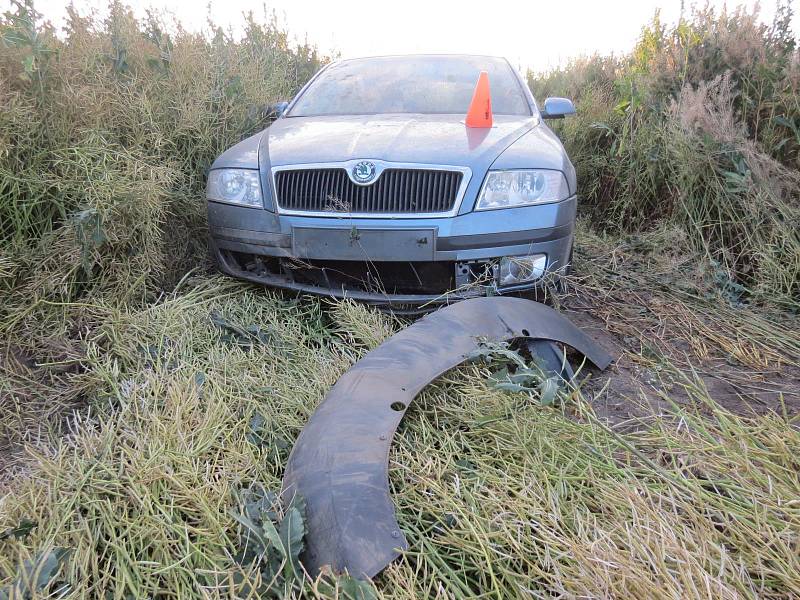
(696, 127)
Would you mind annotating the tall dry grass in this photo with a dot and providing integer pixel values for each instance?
(107, 128)
(700, 126)
(106, 131)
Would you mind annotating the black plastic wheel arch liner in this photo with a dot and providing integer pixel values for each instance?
(339, 463)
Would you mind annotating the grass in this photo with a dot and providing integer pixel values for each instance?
(531, 501)
(697, 126)
(146, 402)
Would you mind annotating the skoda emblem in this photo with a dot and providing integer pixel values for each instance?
(364, 171)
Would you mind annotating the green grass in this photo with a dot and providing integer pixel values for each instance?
(499, 496)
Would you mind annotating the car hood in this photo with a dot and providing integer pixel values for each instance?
(430, 139)
(511, 143)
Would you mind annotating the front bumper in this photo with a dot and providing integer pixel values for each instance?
(463, 241)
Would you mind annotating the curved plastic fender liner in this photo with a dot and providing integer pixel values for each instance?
(340, 461)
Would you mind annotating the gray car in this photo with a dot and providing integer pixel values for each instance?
(370, 185)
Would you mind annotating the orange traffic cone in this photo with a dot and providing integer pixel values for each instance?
(480, 109)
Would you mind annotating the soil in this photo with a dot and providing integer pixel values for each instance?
(636, 388)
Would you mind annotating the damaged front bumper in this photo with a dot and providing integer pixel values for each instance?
(394, 260)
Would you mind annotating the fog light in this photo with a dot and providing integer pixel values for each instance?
(514, 270)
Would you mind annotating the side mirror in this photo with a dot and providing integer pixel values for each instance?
(279, 108)
(557, 108)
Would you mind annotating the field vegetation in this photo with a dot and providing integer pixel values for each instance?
(697, 126)
(148, 405)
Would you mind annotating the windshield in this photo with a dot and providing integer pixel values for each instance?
(410, 84)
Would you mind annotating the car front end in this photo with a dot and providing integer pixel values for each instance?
(399, 205)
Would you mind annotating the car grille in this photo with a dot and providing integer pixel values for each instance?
(395, 191)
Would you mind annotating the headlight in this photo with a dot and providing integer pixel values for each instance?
(508, 189)
(237, 186)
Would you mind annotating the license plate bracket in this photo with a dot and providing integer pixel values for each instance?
(357, 243)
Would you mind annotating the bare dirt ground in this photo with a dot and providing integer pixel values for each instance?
(653, 336)
(738, 388)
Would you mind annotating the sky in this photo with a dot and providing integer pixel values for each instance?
(531, 34)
